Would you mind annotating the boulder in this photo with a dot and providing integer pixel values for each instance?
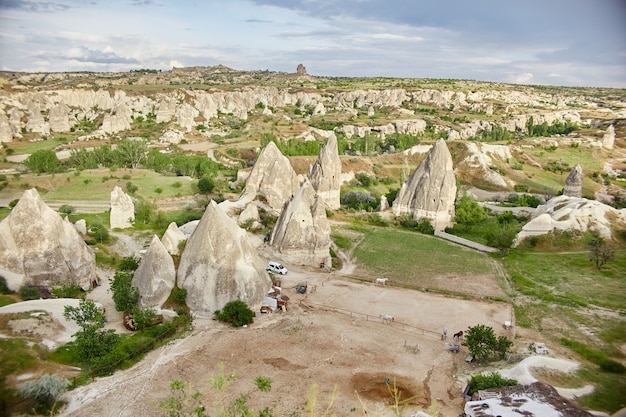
(430, 192)
(156, 275)
(567, 213)
(574, 182)
(38, 247)
(325, 174)
(302, 231)
(220, 264)
(122, 213)
(271, 178)
(250, 214)
(172, 238)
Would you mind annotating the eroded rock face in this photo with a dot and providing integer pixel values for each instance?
(38, 247)
(219, 264)
(608, 140)
(156, 275)
(272, 178)
(430, 192)
(325, 174)
(574, 183)
(172, 239)
(122, 209)
(302, 231)
(576, 214)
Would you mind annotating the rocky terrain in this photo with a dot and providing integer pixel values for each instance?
(432, 141)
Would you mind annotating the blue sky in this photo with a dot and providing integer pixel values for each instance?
(555, 42)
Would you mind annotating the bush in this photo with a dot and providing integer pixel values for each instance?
(66, 209)
(609, 365)
(125, 296)
(29, 293)
(67, 290)
(47, 388)
(237, 313)
(4, 288)
(491, 380)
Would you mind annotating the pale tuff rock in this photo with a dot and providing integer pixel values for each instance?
(6, 133)
(172, 136)
(302, 231)
(319, 109)
(430, 192)
(185, 116)
(38, 247)
(608, 140)
(117, 120)
(574, 183)
(81, 226)
(251, 214)
(325, 174)
(172, 239)
(409, 126)
(384, 204)
(220, 264)
(36, 122)
(480, 157)
(156, 275)
(59, 118)
(122, 213)
(575, 214)
(272, 178)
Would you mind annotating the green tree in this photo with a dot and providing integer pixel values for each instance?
(600, 252)
(99, 232)
(468, 212)
(132, 152)
(491, 380)
(145, 211)
(91, 341)
(502, 237)
(125, 296)
(206, 185)
(483, 344)
(236, 313)
(43, 161)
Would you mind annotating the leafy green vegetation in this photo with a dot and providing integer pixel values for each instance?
(236, 312)
(490, 380)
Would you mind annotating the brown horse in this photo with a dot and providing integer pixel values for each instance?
(458, 335)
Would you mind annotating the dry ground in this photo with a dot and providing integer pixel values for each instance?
(312, 344)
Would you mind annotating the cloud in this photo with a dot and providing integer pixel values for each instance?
(525, 78)
(86, 55)
(33, 6)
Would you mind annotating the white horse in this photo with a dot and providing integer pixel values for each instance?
(386, 318)
(381, 281)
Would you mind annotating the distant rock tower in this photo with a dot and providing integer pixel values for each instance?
(608, 140)
(574, 183)
(122, 213)
(301, 70)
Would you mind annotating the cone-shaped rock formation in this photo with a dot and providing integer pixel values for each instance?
(430, 192)
(172, 238)
(219, 264)
(122, 209)
(302, 231)
(38, 247)
(272, 178)
(574, 182)
(156, 275)
(325, 174)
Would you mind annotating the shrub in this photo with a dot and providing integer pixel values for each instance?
(237, 313)
(609, 365)
(131, 188)
(29, 293)
(491, 380)
(4, 288)
(67, 290)
(66, 209)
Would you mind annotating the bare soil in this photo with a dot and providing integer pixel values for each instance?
(330, 338)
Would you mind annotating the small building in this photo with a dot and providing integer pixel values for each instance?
(536, 399)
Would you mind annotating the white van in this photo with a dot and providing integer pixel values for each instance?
(276, 268)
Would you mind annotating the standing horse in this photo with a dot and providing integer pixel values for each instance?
(381, 281)
(386, 318)
(458, 335)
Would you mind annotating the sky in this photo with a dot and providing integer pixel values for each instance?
(540, 42)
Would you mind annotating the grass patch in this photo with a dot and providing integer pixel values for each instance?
(610, 390)
(414, 258)
(5, 300)
(568, 278)
(16, 356)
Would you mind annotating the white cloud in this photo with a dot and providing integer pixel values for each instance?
(524, 78)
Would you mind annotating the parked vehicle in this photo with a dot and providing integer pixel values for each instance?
(276, 268)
